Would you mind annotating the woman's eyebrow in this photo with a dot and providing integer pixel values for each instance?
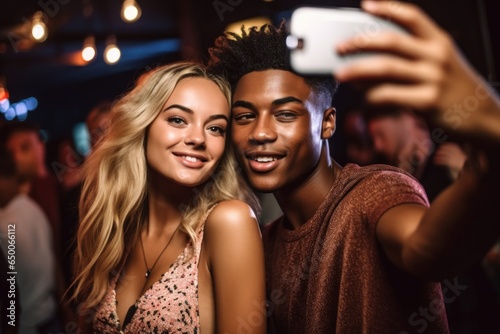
(218, 116)
(181, 107)
(190, 111)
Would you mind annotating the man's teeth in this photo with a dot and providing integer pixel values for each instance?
(192, 159)
(265, 159)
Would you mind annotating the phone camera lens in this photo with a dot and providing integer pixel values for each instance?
(294, 43)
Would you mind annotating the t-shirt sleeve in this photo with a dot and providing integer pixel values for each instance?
(387, 189)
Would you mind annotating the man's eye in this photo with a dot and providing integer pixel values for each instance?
(176, 120)
(286, 115)
(244, 117)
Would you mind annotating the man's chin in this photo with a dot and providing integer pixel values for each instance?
(263, 187)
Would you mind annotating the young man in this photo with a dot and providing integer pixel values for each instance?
(358, 249)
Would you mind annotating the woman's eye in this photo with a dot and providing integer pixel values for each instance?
(217, 129)
(176, 120)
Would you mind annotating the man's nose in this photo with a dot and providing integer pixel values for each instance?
(264, 131)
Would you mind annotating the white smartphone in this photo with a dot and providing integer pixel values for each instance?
(315, 31)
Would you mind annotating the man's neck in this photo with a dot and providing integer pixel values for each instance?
(300, 203)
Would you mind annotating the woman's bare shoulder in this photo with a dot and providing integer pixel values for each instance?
(230, 220)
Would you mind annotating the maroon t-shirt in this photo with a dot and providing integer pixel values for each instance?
(331, 275)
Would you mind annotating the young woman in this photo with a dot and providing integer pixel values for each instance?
(166, 242)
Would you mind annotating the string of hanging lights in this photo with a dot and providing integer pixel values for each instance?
(130, 12)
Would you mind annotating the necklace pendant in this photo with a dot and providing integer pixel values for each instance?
(148, 272)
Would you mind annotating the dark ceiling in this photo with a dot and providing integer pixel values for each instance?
(66, 89)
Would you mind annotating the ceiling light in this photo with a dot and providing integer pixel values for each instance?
(258, 21)
(38, 28)
(112, 53)
(89, 50)
(130, 11)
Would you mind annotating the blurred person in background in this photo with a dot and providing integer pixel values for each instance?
(35, 262)
(404, 140)
(24, 140)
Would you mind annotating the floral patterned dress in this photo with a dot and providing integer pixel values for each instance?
(170, 305)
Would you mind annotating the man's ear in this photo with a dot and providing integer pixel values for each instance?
(329, 123)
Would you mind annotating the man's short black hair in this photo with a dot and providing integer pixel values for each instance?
(260, 49)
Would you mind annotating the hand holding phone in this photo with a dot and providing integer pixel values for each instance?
(315, 32)
(425, 71)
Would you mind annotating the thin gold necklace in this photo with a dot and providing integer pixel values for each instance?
(131, 311)
(148, 269)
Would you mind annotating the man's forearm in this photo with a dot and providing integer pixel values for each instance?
(462, 223)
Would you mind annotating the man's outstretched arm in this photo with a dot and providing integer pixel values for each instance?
(425, 72)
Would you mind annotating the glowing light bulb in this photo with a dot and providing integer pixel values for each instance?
(130, 11)
(39, 29)
(112, 53)
(88, 53)
(89, 50)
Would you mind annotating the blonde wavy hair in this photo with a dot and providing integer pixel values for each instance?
(113, 203)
